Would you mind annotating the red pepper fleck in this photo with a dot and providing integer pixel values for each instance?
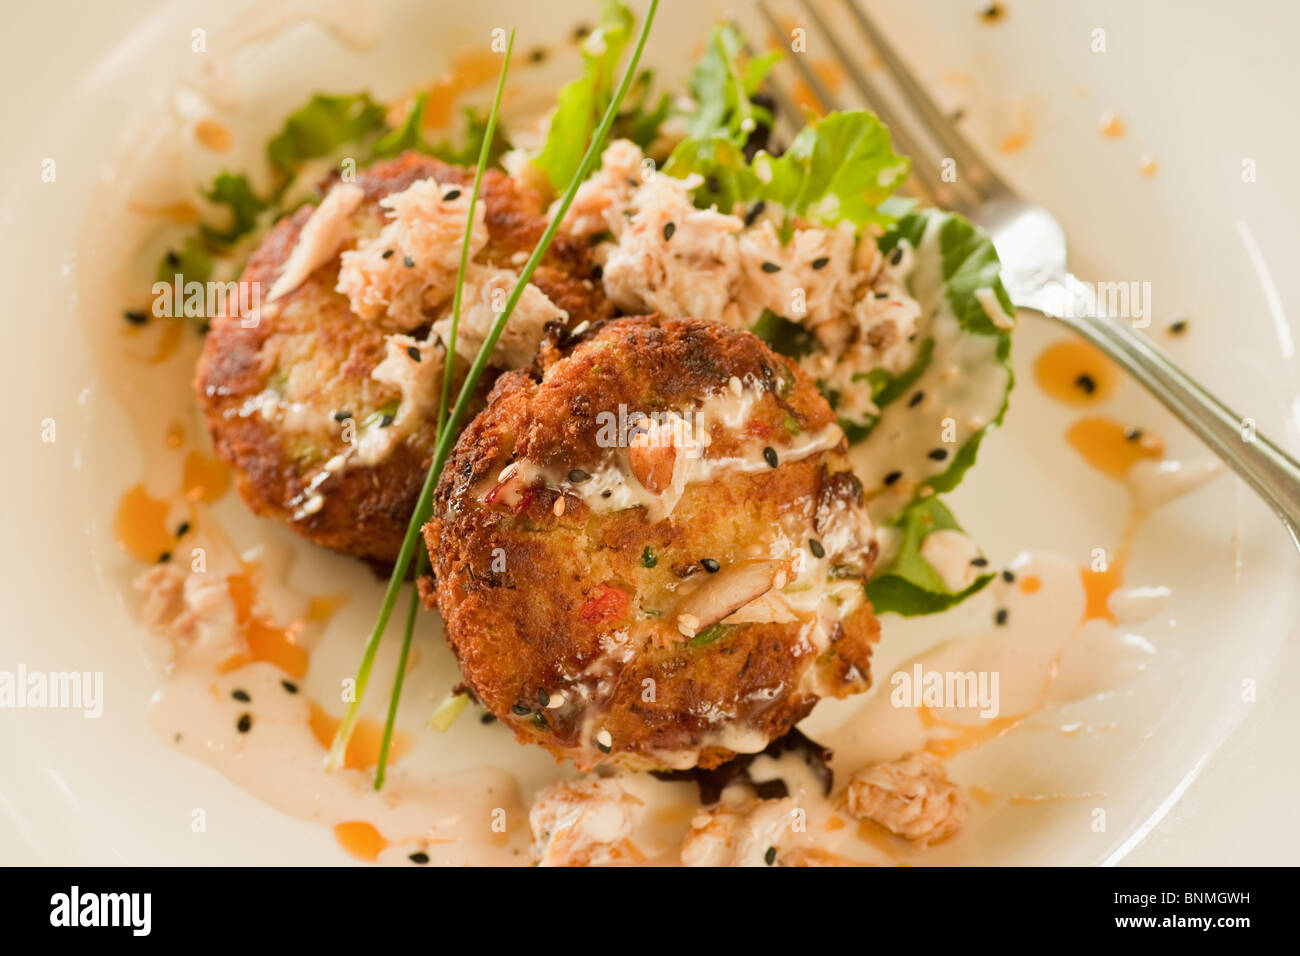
(605, 604)
(525, 500)
(758, 429)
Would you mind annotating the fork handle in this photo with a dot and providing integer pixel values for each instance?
(1271, 472)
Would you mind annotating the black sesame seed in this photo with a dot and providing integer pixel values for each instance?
(1087, 383)
(173, 259)
(581, 31)
(892, 477)
(769, 456)
(1133, 434)
(408, 262)
(669, 229)
(386, 420)
(754, 212)
(386, 254)
(537, 55)
(486, 718)
(770, 856)
(980, 562)
(520, 710)
(1009, 577)
(816, 548)
(245, 723)
(289, 686)
(414, 352)
(606, 493)
(420, 858)
(578, 476)
(241, 695)
(602, 748)
(1178, 327)
(821, 263)
(342, 416)
(135, 316)
(770, 267)
(711, 565)
(711, 183)
(1001, 616)
(164, 557)
(896, 256)
(449, 196)
(182, 529)
(937, 454)
(543, 697)
(916, 399)
(882, 295)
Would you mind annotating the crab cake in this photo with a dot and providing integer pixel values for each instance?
(322, 399)
(653, 554)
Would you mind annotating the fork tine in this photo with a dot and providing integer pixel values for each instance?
(945, 133)
(819, 89)
(922, 169)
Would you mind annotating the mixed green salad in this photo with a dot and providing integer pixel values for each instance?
(840, 168)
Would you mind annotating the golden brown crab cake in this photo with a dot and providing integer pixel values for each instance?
(655, 554)
(324, 406)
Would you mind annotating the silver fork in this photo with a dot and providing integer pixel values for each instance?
(1031, 245)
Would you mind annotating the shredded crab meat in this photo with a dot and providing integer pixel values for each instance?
(322, 235)
(482, 299)
(661, 254)
(193, 611)
(750, 833)
(414, 368)
(411, 265)
(585, 823)
(911, 797)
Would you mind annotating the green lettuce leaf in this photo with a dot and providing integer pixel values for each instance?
(466, 154)
(410, 135)
(236, 194)
(907, 584)
(322, 127)
(583, 101)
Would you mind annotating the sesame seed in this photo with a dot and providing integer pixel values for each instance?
(937, 454)
(408, 262)
(1009, 577)
(289, 686)
(414, 352)
(557, 700)
(182, 529)
(604, 741)
(770, 267)
(980, 562)
(821, 263)
(816, 548)
(736, 385)
(386, 421)
(1133, 434)
(688, 624)
(342, 416)
(536, 55)
(892, 477)
(770, 856)
(1178, 327)
(711, 565)
(420, 858)
(896, 256)
(754, 212)
(486, 718)
(520, 710)
(1001, 616)
(606, 493)
(245, 723)
(578, 476)
(916, 399)
(543, 697)
(558, 508)
(769, 456)
(135, 316)
(241, 695)
(164, 557)
(669, 229)
(885, 295)
(449, 196)
(1086, 383)
(386, 254)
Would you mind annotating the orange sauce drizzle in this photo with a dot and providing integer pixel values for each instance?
(363, 748)
(965, 736)
(204, 478)
(181, 213)
(266, 641)
(469, 70)
(1075, 373)
(981, 795)
(1110, 125)
(140, 525)
(1110, 447)
(168, 342)
(213, 135)
(1030, 584)
(361, 840)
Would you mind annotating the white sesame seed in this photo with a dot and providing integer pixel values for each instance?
(508, 472)
(581, 327)
(557, 700)
(558, 510)
(605, 739)
(737, 386)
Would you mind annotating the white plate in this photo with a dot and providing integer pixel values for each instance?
(1199, 87)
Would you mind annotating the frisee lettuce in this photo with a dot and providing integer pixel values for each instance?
(907, 584)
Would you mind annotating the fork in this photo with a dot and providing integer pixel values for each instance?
(1032, 248)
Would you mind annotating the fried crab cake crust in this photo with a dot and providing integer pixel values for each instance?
(612, 631)
(315, 353)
